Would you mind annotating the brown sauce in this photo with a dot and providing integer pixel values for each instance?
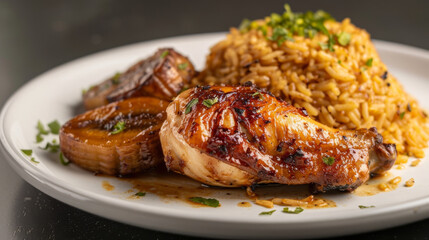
(170, 186)
(383, 183)
(107, 186)
(244, 204)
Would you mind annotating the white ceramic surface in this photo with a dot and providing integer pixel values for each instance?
(57, 93)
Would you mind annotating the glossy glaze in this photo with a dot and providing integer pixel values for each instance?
(162, 75)
(87, 139)
(267, 140)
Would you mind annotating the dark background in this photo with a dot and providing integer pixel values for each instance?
(36, 36)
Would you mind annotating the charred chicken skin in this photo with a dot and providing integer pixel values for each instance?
(239, 136)
(163, 75)
(117, 139)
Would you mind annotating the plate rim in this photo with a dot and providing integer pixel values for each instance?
(35, 178)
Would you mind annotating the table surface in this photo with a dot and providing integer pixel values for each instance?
(36, 36)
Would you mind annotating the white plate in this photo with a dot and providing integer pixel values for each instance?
(55, 95)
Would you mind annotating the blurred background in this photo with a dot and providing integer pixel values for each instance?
(36, 36)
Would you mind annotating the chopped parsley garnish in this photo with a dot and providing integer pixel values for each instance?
(401, 116)
(328, 160)
(296, 211)
(51, 147)
(244, 25)
(41, 128)
(267, 213)
(164, 54)
(63, 160)
(362, 206)
(323, 46)
(363, 69)
(369, 62)
(140, 194)
(54, 126)
(331, 43)
(258, 94)
(27, 152)
(280, 35)
(285, 26)
(39, 138)
(344, 38)
(84, 91)
(115, 78)
(211, 202)
(182, 66)
(119, 127)
(190, 104)
(210, 102)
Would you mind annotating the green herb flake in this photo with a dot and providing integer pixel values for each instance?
(115, 78)
(119, 127)
(190, 104)
(53, 148)
(41, 128)
(401, 116)
(369, 62)
(63, 160)
(54, 127)
(34, 160)
(27, 152)
(363, 69)
(344, 38)
(285, 26)
(323, 46)
(263, 29)
(244, 25)
(140, 194)
(267, 213)
(84, 91)
(164, 54)
(211, 202)
(182, 66)
(296, 211)
(39, 138)
(362, 206)
(259, 95)
(280, 35)
(331, 43)
(210, 102)
(328, 160)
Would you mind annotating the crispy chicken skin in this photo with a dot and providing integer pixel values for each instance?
(163, 75)
(248, 136)
(89, 140)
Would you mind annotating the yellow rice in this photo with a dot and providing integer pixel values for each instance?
(336, 88)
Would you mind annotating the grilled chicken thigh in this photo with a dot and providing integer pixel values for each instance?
(162, 75)
(117, 139)
(239, 136)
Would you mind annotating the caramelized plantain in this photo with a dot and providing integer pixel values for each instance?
(162, 75)
(117, 139)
